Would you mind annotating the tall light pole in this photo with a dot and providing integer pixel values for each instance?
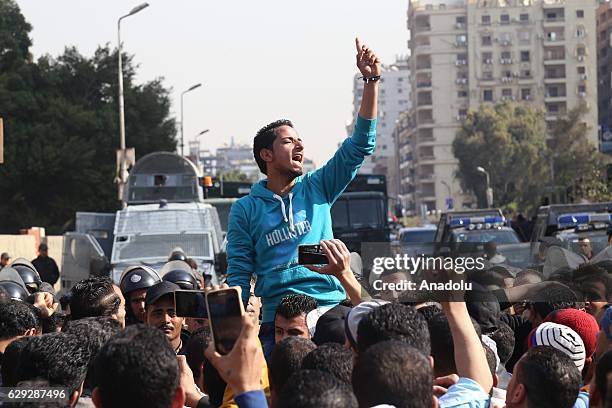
(489, 189)
(182, 136)
(449, 200)
(122, 177)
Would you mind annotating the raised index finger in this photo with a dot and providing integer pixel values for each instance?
(358, 45)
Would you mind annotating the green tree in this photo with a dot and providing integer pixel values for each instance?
(235, 175)
(576, 163)
(508, 140)
(61, 129)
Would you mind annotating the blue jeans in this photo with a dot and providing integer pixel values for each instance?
(266, 336)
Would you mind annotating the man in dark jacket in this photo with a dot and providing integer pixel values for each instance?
(46, 266)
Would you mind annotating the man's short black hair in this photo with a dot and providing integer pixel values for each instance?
(491, 360)
(394, 321)
(332, 358)
(551, 298)
(442, 346)
(315, 389)
(429, 311)
(602, 371)
(94, 332)
(264, 139)
(16, 318)
(137, 368)
(60, 358)
(295, 304)
(504, 340)
(550, 378)
(93, 297)
(194, 350)
(10, 361)
(391, 372)
(286, 358)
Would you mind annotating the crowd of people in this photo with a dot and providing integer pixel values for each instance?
(526, 343)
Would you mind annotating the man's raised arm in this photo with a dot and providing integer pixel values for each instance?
(240, 251)
(338, 172)
(470, 357)
(369, 66)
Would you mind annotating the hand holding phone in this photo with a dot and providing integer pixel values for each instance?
(225, 311)
(311, 255)
(242, 367)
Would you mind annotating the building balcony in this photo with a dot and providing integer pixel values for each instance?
(423, 67)
(429, 159)
(555, 98)
(554, 79)
(422, 49)
(426, 141)
(554, 22)
(556, 40)
(554, 59)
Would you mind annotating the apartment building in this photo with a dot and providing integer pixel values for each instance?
(469, 52)
(604, 76)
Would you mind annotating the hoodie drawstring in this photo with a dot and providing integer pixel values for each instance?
(282, 203)
(291, 226)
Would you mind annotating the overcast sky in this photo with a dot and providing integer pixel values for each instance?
(258, 60)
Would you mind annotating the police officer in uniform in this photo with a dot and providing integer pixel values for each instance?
(135, 280)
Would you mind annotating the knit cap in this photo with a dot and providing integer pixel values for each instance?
(582, 323)
(562, 338)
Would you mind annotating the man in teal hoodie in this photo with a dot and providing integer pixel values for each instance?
(290, 209)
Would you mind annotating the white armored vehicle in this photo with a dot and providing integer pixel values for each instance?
(165, 210)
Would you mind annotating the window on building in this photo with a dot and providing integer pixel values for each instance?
(581, 89)
(487, 75)
(526, 94)
(524, 36)
(581, 51)
(504, 19)
(580, 13)
(461, 39)
(581, 70)
(487, 57)
(525, 56)
(506, 55)
(507, 74)
(487, 95)
(505, 37)
(526, 73)
(580, 32)
(487, 40)
(507, 92)
(486, 19)
(462, 94)
(460, 20)
(524, 17)
(463, 113)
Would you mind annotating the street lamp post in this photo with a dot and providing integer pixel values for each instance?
(489, 191)
(122, 177)
(182, 135)
(449, 202)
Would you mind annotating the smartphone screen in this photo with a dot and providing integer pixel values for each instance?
(190, 303)
(225, 317)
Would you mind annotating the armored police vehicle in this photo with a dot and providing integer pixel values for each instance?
(568, 223)
(165, 210)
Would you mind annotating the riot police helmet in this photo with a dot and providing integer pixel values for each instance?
(180, 273)
(14, 290)
(177, 254)
(28, 274)
(138, 277)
